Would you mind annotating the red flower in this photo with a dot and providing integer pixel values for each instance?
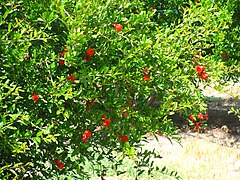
(124, 138)
(104, 116)
(118, 27)
(197, 126)
(60, 166)
(152, 8)
(199, 52)
(146, 78)
(196, 1)
(87, 58)
(106, 122)
(224, 55)
(129, 102)
(204, 75)
(35, 97)
(124, 109)
(64, 52)
(61, 62)
(145, 71)
(90, 52)
(125, 115)
(205, 116)
(192, 118)
(200, 116)
(27, 56)
(204, 130)
(71, 77)
(89, 105)
(199, 69)
(57, 161)
(87, 134)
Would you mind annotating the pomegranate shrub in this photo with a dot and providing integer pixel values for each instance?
(83, 80)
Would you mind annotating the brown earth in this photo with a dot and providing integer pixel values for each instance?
(223, 132)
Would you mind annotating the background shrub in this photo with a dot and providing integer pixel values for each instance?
(81, 80)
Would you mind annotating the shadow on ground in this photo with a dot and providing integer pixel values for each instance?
(223, 128)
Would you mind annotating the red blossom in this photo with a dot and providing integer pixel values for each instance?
(205, 116)
(27, 56)
(61, 62)
(60, 166)
(196, 1)
(200, 116)
(57, 161)
(125, 115)
(146, 78)
(118, 27)
(129, 102)
(152, 8)
(192, 118)
(199, 69)
(104, 116)
(204, 130)
(35, 97)
(87, 58)
(89, 105)
(124, 109)
(71, 77)
(106, 122)
(63, 52)
(197, 126)
(145, 71)
(199, 52)
(205, 75)
(224, 55)
(124, 138)
(90, 52)
(87, 134)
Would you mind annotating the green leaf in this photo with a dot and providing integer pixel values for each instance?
(66, 115)
(5, 167)
(39, 133)
(36, 140)
(12, 171)
(46, 131)
(58, 112)
(140, 172)
(11, 127)
(1, 124)
(163, 169)
(14, 117)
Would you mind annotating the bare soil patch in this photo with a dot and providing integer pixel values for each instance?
(214, 154)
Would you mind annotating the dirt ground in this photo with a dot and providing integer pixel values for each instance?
(214, 154)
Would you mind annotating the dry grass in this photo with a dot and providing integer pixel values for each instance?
(200, 159)
(195, 159)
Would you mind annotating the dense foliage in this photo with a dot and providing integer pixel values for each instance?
(82, 80)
